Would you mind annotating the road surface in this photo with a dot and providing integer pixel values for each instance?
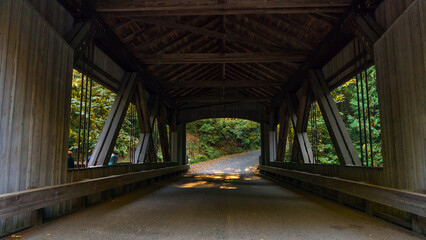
(221, 199)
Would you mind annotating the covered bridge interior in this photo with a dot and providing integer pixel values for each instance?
(181, 61)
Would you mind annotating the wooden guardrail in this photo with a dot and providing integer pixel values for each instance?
(411, 202)
(24, 201)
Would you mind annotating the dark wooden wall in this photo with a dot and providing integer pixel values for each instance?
(35, 82)
(390, 10)
(400, 60)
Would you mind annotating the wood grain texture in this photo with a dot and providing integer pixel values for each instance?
(404, 200)
(401, 63)
(35, 81)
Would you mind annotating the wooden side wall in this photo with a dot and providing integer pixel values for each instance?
(341, 67)
(400, 56)
(105, 71)
(35, 82)
(54, 13)
(390, 10)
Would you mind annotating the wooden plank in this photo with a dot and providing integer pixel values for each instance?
(334, 122)
(18, 202)
(207, 58)
(400, 199)
(109, 134)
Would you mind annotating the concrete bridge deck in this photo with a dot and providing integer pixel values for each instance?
(221, 199)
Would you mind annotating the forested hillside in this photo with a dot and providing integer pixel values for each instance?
(211, 138)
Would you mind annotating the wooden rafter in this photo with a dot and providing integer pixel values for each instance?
(220, 84)
(203, 31)
(170, 8)
(201, 58)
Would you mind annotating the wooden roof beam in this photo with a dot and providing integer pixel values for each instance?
(221, 99)
(220, 84)
(202, 58)
(192, 7)
(215, 34)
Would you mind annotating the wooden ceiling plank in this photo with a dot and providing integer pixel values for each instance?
(294, 41)
(297, 25)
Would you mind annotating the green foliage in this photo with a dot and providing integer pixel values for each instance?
(212, 138)
(346, 98)
(101, 101)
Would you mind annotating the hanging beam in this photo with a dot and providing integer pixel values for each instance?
(283, 132)
(334, 122)
(109, 134)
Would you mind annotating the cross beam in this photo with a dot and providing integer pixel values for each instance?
(220, 84)
(192, 7)
(221, 99)
(202, 58)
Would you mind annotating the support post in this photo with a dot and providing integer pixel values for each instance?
(162, 130)
(178, 145)
(283, 132)
(268, 143)
(301, 144)
(334, 122)
(115, 119)
(149, 112)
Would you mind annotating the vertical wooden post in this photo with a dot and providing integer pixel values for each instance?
(115, 119)
(334, 122)
(162, 129)
(283, 132)
(268, 140)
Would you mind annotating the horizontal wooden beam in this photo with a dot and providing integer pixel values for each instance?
(210, 33)
(403, 200)
(198, 58)
(171, 8)
(220, 84)
(24, 201)
(213, 99)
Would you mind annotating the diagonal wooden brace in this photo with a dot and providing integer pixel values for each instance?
(149, 114)
(301, 142)
(103, 149)
(334, 122)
